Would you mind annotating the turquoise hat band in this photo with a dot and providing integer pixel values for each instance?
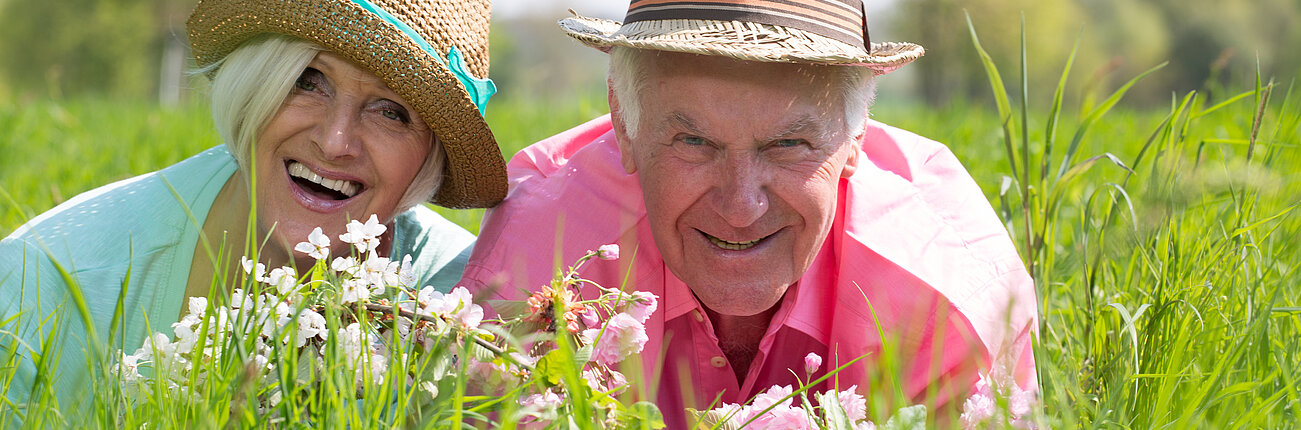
(479, 89)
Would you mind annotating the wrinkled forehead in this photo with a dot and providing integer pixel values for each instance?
(808, 96)
(669, 65)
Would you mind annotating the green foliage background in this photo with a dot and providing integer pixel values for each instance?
(1176, 304)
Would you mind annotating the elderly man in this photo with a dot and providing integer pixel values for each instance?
(748, 189)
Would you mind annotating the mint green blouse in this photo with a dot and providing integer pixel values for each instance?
(139, 233)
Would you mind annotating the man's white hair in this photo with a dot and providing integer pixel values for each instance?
(627, 79)
(252, 82)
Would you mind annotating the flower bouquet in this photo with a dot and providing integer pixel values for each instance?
(354, 342)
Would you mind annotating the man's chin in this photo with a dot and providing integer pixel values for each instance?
(748, 303)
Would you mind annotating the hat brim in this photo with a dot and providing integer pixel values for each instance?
(743, 41)
(474, 174)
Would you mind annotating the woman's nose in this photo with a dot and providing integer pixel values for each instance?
(338, 136)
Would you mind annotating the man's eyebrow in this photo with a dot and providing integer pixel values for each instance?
(804, 125)
(681, 120)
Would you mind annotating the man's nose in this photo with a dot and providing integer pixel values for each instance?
(338, 136)
(741, 194)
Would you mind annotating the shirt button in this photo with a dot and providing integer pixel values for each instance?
(718, 361)
(697, 315)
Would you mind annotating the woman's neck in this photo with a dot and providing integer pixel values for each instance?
(221, 242)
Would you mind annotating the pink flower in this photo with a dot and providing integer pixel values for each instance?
(608, 252)
(774, 396)
(976, 410)
(854, 404)
(641, 305)
(538, 410)
(783, 417)
(589, 316)
(812, 363)
(623, 336)
(982, 407)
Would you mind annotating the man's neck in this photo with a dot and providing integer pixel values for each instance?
(739, 336)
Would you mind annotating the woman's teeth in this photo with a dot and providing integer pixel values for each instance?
(347, 188)
(735, 246)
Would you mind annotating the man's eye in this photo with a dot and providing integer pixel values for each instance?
(788, 143)
(693, 141)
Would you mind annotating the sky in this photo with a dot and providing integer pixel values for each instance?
(609, 9)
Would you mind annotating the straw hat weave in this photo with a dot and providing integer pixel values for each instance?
(832, 32)
(475, 174)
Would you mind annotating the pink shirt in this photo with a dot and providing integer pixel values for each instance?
(914, 236)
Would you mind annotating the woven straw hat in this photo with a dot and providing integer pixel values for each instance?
(430, 52)
(832, 32)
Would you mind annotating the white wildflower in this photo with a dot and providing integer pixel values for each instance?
(258, 270)
(346, 265)
(317, 245)
(284, 279)
(197, 305)
(406, 277)
(364, 237)
(310, 324)
(352, 291)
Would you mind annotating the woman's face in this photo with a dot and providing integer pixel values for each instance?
(342, 146)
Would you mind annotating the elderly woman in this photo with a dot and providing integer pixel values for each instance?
(331, 110)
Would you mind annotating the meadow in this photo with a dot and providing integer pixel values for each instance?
(1164, 241)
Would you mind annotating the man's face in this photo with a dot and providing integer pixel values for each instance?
(739, 164)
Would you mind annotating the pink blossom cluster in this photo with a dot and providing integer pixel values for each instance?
(983, 410)
(775, 409)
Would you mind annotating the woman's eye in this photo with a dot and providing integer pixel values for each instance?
(394, 112)
(307, 81)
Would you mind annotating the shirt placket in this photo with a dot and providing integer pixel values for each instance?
(715, 374)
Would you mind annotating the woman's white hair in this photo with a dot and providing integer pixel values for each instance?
(627, 79)
(251, 83)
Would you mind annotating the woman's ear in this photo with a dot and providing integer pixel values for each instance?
(620, 132)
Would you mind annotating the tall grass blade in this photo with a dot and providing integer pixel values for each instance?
(1096, 114)
(1000, 98)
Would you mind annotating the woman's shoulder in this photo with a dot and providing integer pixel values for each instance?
(131, 215)
(438, 248)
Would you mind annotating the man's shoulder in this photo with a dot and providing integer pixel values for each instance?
(571, 184)
(550, 155)
(902, 152)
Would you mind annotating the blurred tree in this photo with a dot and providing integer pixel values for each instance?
(1206, 41)
(67, 47)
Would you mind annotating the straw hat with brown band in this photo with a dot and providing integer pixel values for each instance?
(432, 53)
(832, 32)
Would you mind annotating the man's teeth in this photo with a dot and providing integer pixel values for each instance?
(347, 188)
(735, 246)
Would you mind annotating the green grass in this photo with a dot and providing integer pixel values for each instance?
(1173, 304)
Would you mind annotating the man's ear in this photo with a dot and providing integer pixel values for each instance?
(851, 163)
(620, 132)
